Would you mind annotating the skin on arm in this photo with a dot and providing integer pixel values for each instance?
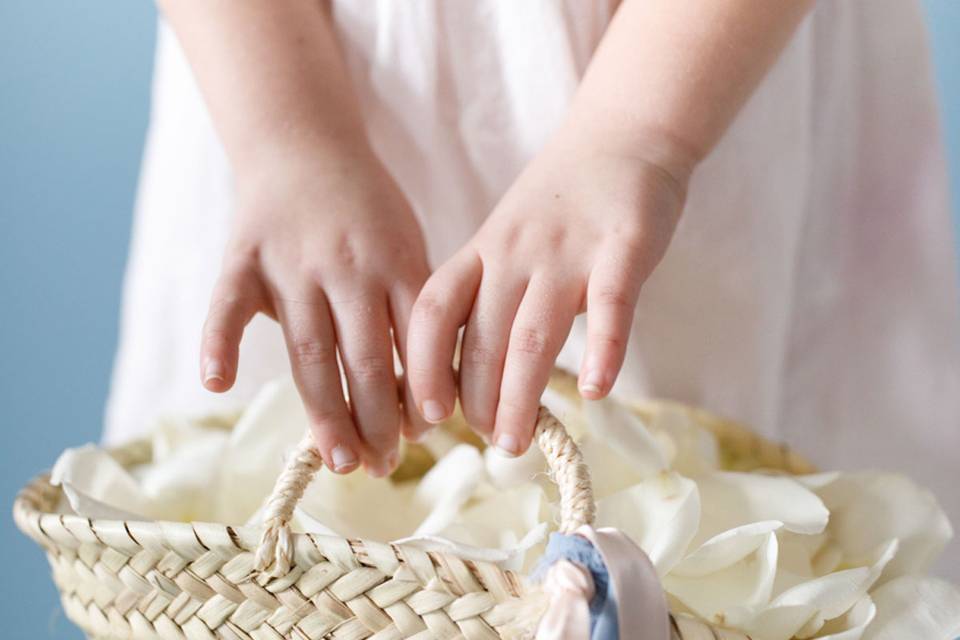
(323, 240)
(591, 216)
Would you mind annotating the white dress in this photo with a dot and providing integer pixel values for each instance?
(810, 290)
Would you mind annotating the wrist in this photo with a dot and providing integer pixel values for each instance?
(312, 151)
(650, 150)
(306, 159)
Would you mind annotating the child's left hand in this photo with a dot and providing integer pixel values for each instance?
(579, 230)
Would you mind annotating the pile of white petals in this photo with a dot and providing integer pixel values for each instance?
(842, 556)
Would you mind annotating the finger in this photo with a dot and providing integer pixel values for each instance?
(440, 310)
(484, 348)
(539, 330)
(311, 345)
(235, 300)
(362, 324)
(413, 426)
(611, 301)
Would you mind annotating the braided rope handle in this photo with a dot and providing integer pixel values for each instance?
(566, 464)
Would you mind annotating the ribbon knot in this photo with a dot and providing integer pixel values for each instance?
(570, 589)
(598, 583)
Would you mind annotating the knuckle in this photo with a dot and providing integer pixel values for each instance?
(382, 434)
(424, 379)
(346, 251)
(329, 419)
(533, 341)
(513, 412)
(216, 336)
(225, 303)
(556, 237)
(608, 341)
(631, 236)
(628, 247)
(479, 417)
(506, 239)
(429, 307)
(415, 372)
(311, 275)
(308, 352)
(237, 280)
(478, 355)
(241, 260)
(372, 369)
(614, 297)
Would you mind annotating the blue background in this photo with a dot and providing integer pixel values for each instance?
(74, 92)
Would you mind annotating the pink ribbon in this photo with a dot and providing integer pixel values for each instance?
(570, 589)
(641, 603)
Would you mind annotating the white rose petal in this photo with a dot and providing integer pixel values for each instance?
(82, 504)
(509, 556)
(744, 585)
(915, 608)
(509, 519)
(690, 448)
(566, 409)
(725, 549)
(255, 453)
(851, 625)
(447, 486)
(97, 486)
(609, 472)
(816, 481)
(795, 564)
(626, 435)
(834, 594)
(357, 505)
(731, 500)
(507, 472)
(770, 623)
(828, 559)
(660, 514)
(868, 508)
(178, 483)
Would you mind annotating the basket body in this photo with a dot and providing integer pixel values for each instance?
(142, 580)
(126, 580)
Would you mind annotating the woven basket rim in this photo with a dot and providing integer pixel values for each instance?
(33, 512)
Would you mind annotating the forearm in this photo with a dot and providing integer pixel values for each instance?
(272, 76)
(669, 76)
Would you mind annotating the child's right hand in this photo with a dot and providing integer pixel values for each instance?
(328, 247)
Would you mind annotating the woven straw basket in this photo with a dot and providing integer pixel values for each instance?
(203, 581)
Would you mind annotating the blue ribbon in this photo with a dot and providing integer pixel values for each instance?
(603, 606)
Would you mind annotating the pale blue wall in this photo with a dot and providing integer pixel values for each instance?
(74, 80)
(944, 22)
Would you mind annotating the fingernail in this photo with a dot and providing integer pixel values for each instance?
(392, 461)
(433, 411)
(592, 383)
(213, 370)
(508, 446)
(379, 469)
(420, 436)
(343, 458)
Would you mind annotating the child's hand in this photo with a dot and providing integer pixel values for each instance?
(580, 229)
(330, 249)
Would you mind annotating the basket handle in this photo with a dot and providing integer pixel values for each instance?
(566, 464)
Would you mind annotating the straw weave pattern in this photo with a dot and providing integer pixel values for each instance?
(196, 581)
